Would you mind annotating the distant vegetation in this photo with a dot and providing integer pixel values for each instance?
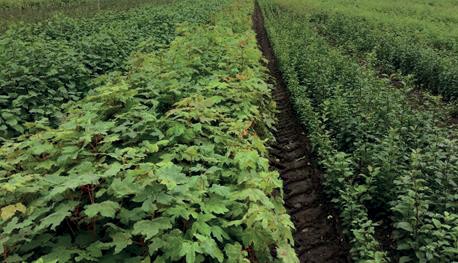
(45, 65)
(12, 11)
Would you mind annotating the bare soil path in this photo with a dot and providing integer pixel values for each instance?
(317, 237)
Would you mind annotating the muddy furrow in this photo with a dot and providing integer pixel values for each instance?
(317, 238)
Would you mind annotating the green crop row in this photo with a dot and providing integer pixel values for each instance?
(436, 71)
(16, 8)
(37, 3)
(432, 61)
(387, 164)
(13, 12)
(412, 12)
(45, 65)
(165, 164)
(434, 24)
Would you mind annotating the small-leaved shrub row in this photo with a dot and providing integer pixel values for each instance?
(45, 65)
(165, 164)
(436, 71)
(386, 163)
(397, 46)
(432, 24)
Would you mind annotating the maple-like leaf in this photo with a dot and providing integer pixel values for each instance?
(189, 250)
(170, 175)
(60, 213)
(210, 247)
(121, 240)
(215, 206)
(105, 209)
(8, 211)
(235, 253)
(150, 228)
(247, 160)
(287, 254)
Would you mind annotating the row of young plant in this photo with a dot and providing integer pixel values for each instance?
(386, 163)
(30, 11)
(434, 24)
(9, 4)
(396, 50)
(45, 65)
(166, 164)
(35, 4)
(443, 13)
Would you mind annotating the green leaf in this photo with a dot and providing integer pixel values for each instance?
(8, 211)
(156, 244)
(220, 190)
(150, 228)
(105, 209)
(113, 170)
(42, 148)
(60, 213)
(404, 259)
(210, 247)
(215, 206)
(235, 253)
(247, 160)
(405, 226)
(436, 223)
(170, 175)
(287, 254)
(122, 188)
(121, 240)
(189, 249)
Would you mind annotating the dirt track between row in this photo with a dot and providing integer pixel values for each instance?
(317, 235)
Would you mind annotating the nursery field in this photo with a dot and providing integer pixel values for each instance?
(228, 131)
(160, 159)
(388, 154)
(412, 37)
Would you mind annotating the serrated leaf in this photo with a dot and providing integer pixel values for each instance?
(235, 253)
(8, 211)
(210, 247)
(150, 228)
(121, 240)
(113, 170)
(247, 160)
(156, 244)
(170, 175)
(189, 249)
(215, 206)
(219, 233)
(105, 209)
(220, 190)
(287, 254)
(60, 213)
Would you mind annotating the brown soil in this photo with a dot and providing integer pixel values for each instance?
(317, 237)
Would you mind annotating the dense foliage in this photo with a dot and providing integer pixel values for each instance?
(386, 162)
(398, 46)
(45, 65)
(166, 164)
(18, 11)
(437, 71)
(8, 4)
(431, 23)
